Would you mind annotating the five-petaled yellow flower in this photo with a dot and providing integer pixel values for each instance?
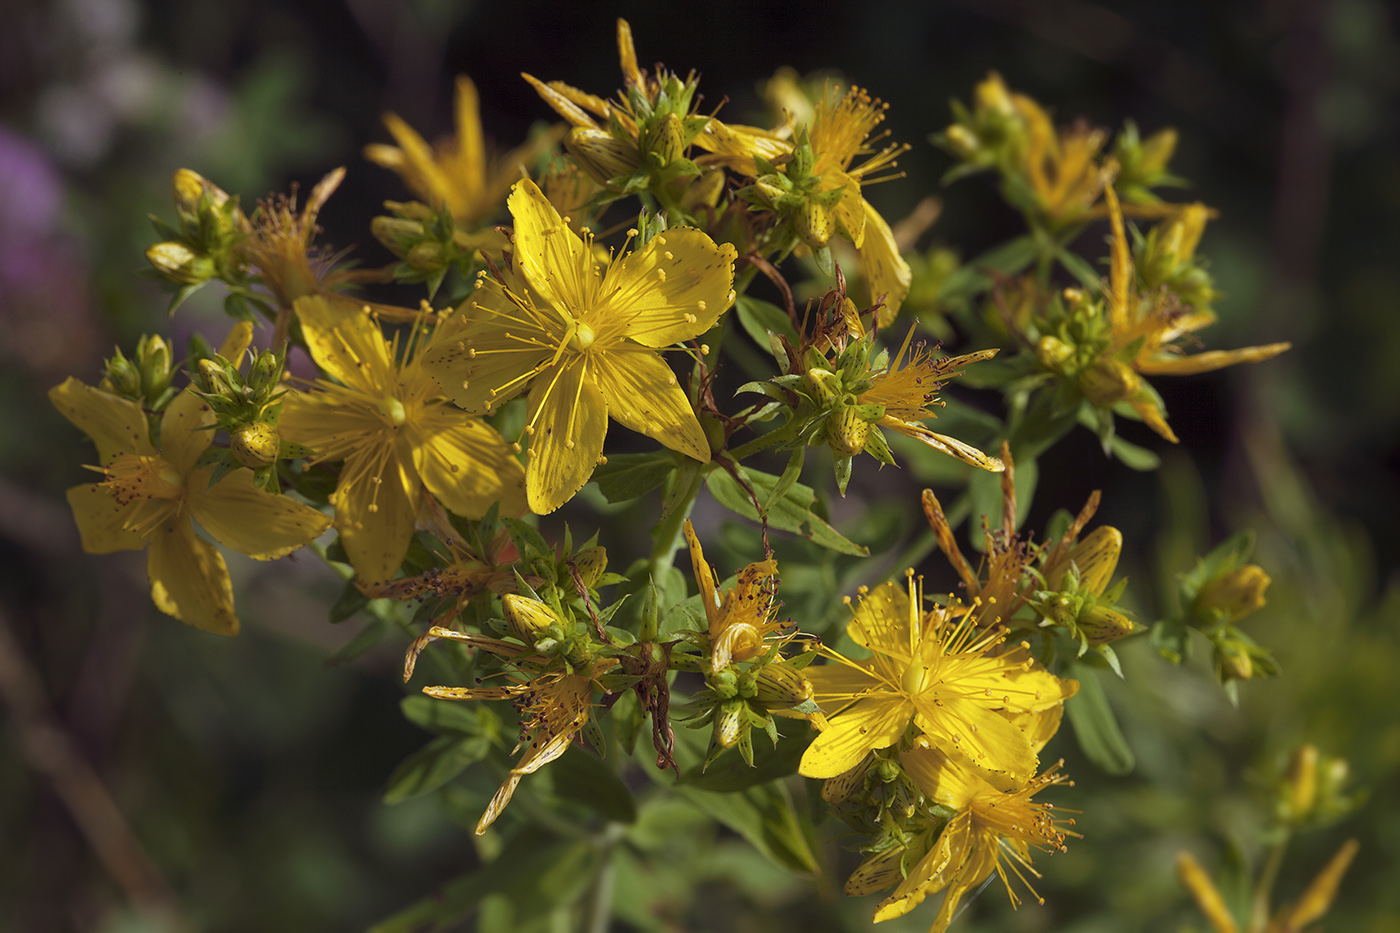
(455, 173)
(149, 496)
(586, 334)
(957, 684)
(385, 417)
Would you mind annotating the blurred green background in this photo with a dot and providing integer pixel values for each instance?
(251, 770)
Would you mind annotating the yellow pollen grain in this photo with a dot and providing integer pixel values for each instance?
(661, 240)
(632, 231)
(661, 275)
(668, 255)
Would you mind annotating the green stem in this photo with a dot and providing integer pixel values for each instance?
(600, 913)
(1264, 887)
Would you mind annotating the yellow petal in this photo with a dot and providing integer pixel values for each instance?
(1322, 890)
(940, 777)
(704, 579)
(942, 442)
(471, 149)
(102, 520)
(184, 431)
(881, 621)
(642, 393)
(562, 103)
(346, 342)
(242, 517)
(1198, 884)
(872, 723)
(467, 465)
(933, 872)
(239, 339)
(627, 52)
(836, 686)
(1152, 415)
(483, 355)
(967, 731)
(420, 170)
(189, 579)
(849, 210)
(886, 273)
(116, 425)
(551, 255)
(1208, 361)
(670, 290)
(570, 419)
(376, 520)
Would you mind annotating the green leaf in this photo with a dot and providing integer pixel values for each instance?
(1095, 726)
(434, 765)
(627, 476)
(350, 601)
(535, 873)
(791, 512)
(444, 716)
(759, 318)
(527, 540)
(1132, 456)
(730, 773)
(763, 815)
(585, 779)
(1080, 268)
(971, 278)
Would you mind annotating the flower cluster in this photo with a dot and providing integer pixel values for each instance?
(614, 269)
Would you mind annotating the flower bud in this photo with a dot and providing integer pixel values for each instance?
(1101, 625)
(813, 224)
(847, 432)
(214, 380)
(725, 684)
(1233, 661)
(600, 155)
(153, 358)
(427, 256)
(1096, 556)
(1054, 354)
(255, 445)
(266, 370)
(667, 141)
(962, 141)
(1300, 785)
(1108, 382)
(528, 619)
(1236, 594)
(781, 686)
(189, 189)
(179, 263)
(590, 564)
(396, 233)
(729, 722)
(122, 378)
(820, 384)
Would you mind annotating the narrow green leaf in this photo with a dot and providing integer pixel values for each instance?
(759, 318)
(763, 815)
(1095, 726)
(791, 512)
(730, 773)
(585, 779)
(434, 765)
(1132, 456)
(443, 716)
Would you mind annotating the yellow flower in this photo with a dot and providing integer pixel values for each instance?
(150, 495)
(908, 390)
(739, 624)
(554, 703)
(1158, 330)
(840, 131)
(281, 246)
(455, 174)
(387, 420)
(939, 671)
(989, 822)
(586, 334)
